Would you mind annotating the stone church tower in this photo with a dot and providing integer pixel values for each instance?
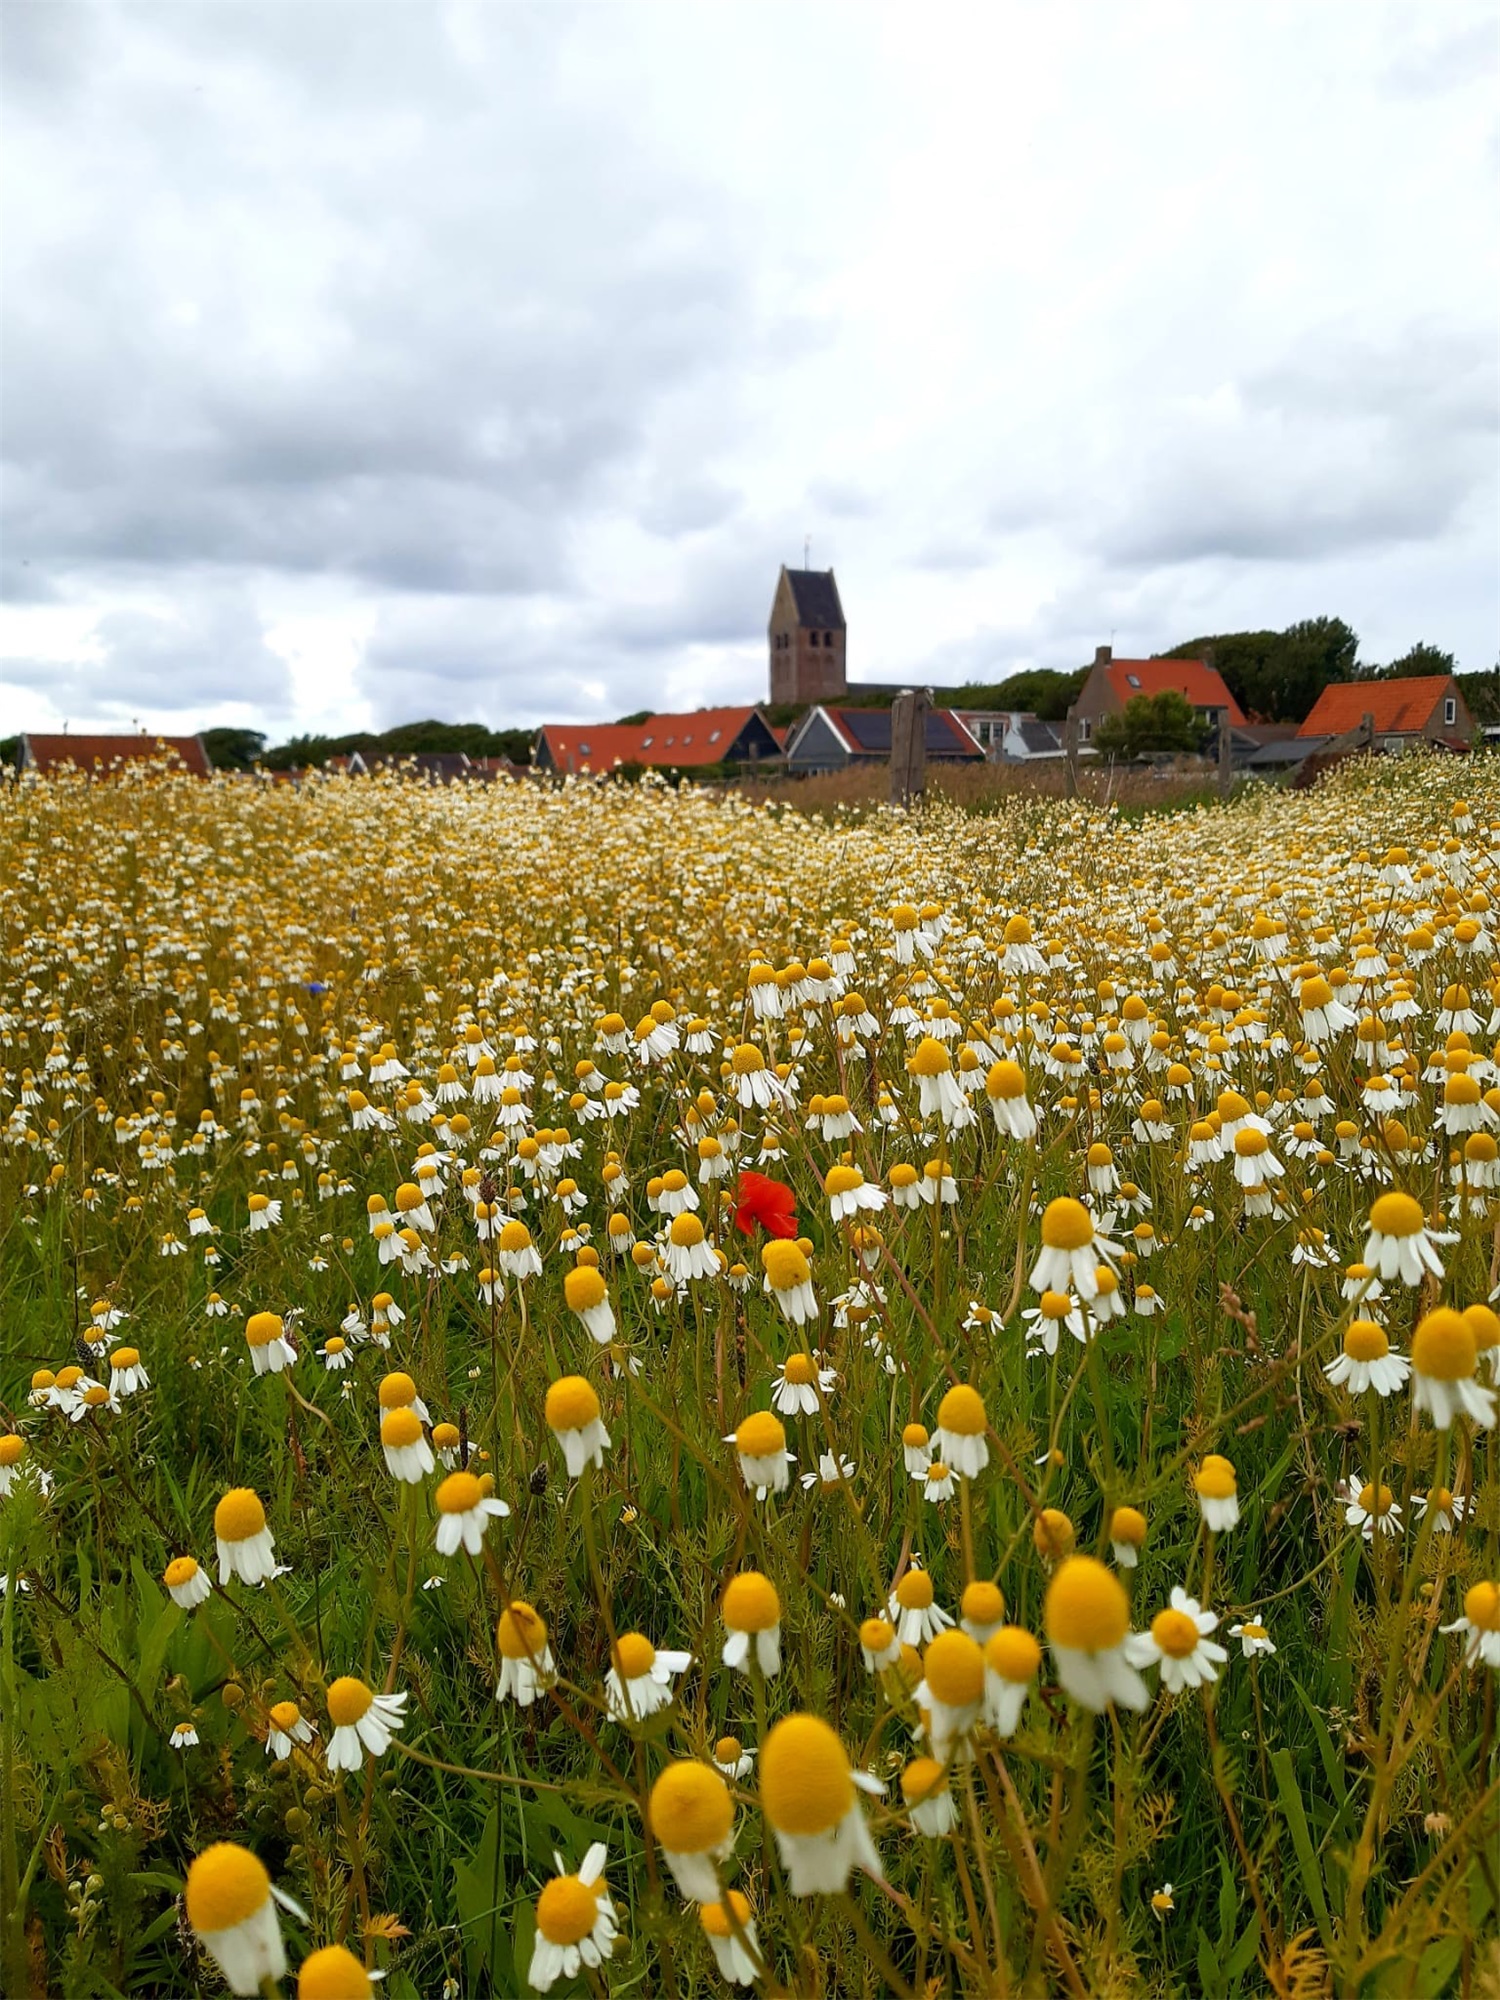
(807, 634)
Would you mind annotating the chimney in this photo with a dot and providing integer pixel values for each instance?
(1103, 655)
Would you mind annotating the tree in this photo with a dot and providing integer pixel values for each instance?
(1150, 722)
(233, 749)
(1419, 660)
(1277, 676)
(1039, 691)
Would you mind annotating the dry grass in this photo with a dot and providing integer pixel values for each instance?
(978, 787)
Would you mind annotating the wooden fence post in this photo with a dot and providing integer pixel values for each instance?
(909, 745)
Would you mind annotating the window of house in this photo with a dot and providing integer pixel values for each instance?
(1450, 710)
(647, 741)
(812, 638)
(1134, 680)
(1085, 729)
(714, 735)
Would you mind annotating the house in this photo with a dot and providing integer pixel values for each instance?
(1429, 708)
(102, 756)
(1011, 736)
(807, 637)
(682, 742)
(1111, 683)
(831, 739)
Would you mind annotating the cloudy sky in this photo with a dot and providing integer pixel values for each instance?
(366, 362)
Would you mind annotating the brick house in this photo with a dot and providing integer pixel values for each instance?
(1428, 708)
(102, 756)
(1111, 683)
(831, 739)
(807, 637)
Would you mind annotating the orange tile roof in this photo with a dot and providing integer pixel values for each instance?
(701, 737)
(101, 753)
(1399, 707)
(1202, 684)
(593, 746)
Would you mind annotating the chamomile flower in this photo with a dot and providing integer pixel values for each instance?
(574, 1418)
(246, 1544)
(1012, 1660)
(691, 1813)
(126, 1375)
(575, 1922)
(1071, 1252)
(1217, 1489)
(751, 1610)
(918, 1618)
(799, 1384)
(1255, 1641)
(1127, 1536)
(1449, 1510)
(810, 1795)
(1399, 1244)
(959, 1439)
(639, 1681)
(1086, 1617)
(878, 1645)
(981, 1609)
(732, 1939)
(789, 1281)
(526, 1663)
(1178, 1642)
(231, 1905)
(765, 1462)
(270, 1350)
(186, 1584)
(951, 1691)
(334, 1973)
(286, 1727)
(1367, 1361)
(363, 1722)
(916, 1450)
(464, 1510)
(929, 1803)
(1444, 1355)
(408, 1455)
(587, 1295)
(1480, 1625)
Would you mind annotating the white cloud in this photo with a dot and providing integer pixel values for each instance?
(488, 362)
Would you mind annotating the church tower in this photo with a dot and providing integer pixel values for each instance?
(807, 635)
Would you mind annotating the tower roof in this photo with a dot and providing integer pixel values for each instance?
(816, 597)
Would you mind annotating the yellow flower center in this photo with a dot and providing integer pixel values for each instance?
(521, 1634)
(572, 1404)
(634, 1655)
(954, 1667)
(914, 1591)
(1482, 1606)
(1086, 1609)
(333, 1973)
(348, 1700)
(1127, 1524)
(12, 1449)
(225, 1885)
(181, 1570)
(1396, 1215)
(284, 1715)
(1067, 1225)
(1175, 1632)
(785, 1265)
(1443, 1346)
(806, 1786)
(715, 1918)
(239, 1515)
(400, 1428)
(691, 1808)
(1052, 1533)
(929, 1058)
(982, 1603)
(262, 1328)
(459, 1493)
(566, 1910)
(1013, 1653)
(1373, 1502)
(1215, 1479)
(760, 1435)
(584, 1288)
(1365, 1341)
(396, 1390)
(962, 1412)
(751, 1603)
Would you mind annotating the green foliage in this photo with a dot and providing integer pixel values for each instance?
(1039, 691)
(234, 749)
(1419, 660)
(1277, 676)
(405, 740)
(1150, 723)
(1482, 692)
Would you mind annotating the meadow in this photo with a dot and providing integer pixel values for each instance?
(622, 1391)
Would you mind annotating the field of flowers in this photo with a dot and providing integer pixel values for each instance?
(609, 1390)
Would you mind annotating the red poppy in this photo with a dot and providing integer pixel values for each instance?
(770, 1203)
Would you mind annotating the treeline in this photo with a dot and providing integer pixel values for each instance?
(243, 749)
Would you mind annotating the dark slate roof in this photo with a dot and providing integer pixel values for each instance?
(816, 596)
(870, 729)
(1038, 736)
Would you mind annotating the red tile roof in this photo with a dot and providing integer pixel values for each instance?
(593, 746)
(702, 737)
(1202, 684)
(1400, 708)
(103, 753)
